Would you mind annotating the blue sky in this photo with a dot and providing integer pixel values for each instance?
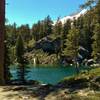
(30, 11)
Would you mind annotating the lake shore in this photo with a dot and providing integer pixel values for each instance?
(85, 86)
(32, 93)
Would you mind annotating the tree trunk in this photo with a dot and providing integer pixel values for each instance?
(2, 31)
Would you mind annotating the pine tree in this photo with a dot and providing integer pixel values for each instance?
(58, 27)
(7, 60)
(66, 27)
(38, 30)
(86, 31)
(35, 31)
(13, 32)
(65, 30)
(85, 40)
(24, 30)
(48, 25)
(97, 12)
(96, 43)
(72, 45)
(21, 72)
(72, 42)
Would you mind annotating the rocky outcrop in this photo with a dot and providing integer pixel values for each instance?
(49, 45)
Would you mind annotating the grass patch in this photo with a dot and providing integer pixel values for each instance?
(83, 80)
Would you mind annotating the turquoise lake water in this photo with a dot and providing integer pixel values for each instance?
(48, 75)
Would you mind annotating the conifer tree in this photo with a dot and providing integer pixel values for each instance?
(13, 34)
(48, 25)
(65, 29)
(96, 43)
(7, 61)
(24, 30)
(58, 27)
(72, 42)
(72, 45)
(21, 72)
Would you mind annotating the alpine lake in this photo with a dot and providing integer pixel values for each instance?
(47, 74)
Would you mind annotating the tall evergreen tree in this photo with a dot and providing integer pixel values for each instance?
(72, 42)
(35, 32)
(24, 30)
(87, 32)
(21, 72)
(72, 45)
(97, 12)
(65, 29)
(13, 34)
(58, 27)
(96, 43)
(38, 30)
(7, 64)
(48, 25)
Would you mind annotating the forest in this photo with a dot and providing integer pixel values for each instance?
(45, 43)
(55, 40)
(72, 46)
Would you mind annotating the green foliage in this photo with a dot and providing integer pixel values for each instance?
(19, 48)
(42, 28)
(72, 43)
(83, 31)
(58, 27)
(65, 29)
(96, 43)
(24, 30)
(87, 75)
(7, 60)
(87, 79)
(31, 44)
(48, 25)
(11, 34)
(21, 72)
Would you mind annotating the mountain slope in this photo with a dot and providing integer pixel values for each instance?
(75, 16)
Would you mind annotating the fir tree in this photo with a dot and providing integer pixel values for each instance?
(21, 72)
(65, 30)
(48, 25)
(7, 64)
(58, 27)
(96, 43)
(72, 45)
(24, 30)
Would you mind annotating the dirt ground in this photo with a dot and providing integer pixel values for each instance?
(42, 93)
